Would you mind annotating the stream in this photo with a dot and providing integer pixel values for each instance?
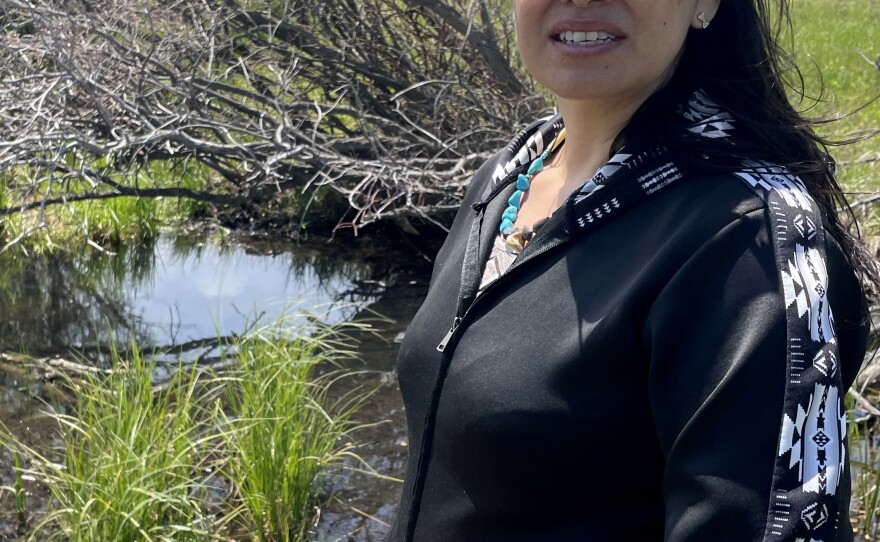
(184, 292)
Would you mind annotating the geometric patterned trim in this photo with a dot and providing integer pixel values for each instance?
(707, 118)
(526, 146)
(606, 196)
(591, 206)
(811, 454)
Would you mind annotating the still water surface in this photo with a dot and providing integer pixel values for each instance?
(181, 290)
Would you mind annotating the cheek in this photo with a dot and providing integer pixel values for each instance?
(664, 39)
(527, 13)
(528, 34)
(527, 54)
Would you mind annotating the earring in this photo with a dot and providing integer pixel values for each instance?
(702, 18)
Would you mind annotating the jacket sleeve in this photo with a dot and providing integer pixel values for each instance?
(721, 393)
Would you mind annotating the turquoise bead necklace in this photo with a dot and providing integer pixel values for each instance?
(523, 183)
(515, 237)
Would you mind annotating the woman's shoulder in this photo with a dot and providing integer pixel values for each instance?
(724, 195)
(792, 226)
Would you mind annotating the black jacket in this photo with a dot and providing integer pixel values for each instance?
(659, 364)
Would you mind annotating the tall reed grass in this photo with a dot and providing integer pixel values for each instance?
(125, 461)
(206, 455)
(281, 435)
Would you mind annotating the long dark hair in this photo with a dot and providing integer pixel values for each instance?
(740, 62)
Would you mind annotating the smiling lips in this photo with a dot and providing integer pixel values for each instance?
(584, 38)
(585, 33)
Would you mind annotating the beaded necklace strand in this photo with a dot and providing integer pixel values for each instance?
(517, 238)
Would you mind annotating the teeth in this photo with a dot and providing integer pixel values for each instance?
(583, 37)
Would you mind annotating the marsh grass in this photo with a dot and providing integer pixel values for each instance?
(866, 476)
(282, 432)
(199, 455)
(125, 460)
(864, 447)
(18, 492)
(116, 220)
(110, 222)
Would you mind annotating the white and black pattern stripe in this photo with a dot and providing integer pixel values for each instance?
(812, 442)
(617, 162)
(526, 146)
(707, 118)
(644, 174)
(811, 455)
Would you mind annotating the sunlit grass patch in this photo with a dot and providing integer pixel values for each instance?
(837, 45)
(201, 455)
(118, 219)
(108, 220)
(282, 432)
(126, 460)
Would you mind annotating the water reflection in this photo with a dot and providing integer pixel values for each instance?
(181, 290)
(175, 291)
(54, 302)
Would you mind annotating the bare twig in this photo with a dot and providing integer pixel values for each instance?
(391, 104)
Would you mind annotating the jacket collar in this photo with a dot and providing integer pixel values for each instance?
(636, 172)
(701, 115)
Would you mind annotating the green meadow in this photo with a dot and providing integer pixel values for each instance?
(837, 46)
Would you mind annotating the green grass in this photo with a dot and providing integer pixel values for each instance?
(127, 456)
(281, 436)
(866, 479)
(108, 222)
(17, 491)
(200, 456)
(120, 219)
(830, 39)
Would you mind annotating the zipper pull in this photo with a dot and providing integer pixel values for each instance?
(442, 346)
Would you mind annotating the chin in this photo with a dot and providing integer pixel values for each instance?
(587, 90)
(605, 89)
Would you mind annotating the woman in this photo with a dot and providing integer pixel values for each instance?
(658, 359)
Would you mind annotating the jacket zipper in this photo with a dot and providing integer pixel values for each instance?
(554, 240)
(499, 187)
(421, 469)
(456, 322)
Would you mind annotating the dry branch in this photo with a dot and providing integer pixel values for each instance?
(391, 103)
